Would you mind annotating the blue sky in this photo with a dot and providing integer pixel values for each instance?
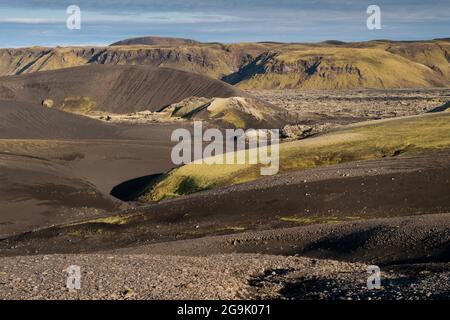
(42, 22)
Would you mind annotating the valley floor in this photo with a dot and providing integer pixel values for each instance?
(308, 234)
(295, 258)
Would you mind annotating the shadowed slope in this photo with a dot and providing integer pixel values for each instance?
(118, 89)
(56, 166)
(26, 120)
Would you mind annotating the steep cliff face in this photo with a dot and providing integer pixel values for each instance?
(27, 60)
(214, 60)
(435, 55)
(211, 61)
(328, 65)
(346, 67)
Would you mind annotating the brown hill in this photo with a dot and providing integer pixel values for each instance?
(152, 41)
(118, 89)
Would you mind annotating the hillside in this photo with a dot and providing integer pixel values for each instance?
(117, 89)
(212, 60)
(234, 112)
(338, 68)
(325, 65)
(24, 120)
(371, 140)
(57, 166)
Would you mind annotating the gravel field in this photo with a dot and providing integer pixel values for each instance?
(235, 276)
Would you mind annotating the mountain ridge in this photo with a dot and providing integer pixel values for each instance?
(264, 65)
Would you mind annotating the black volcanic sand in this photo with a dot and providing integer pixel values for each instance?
(36, 193)
(385, 241)
(26, 120)
(351, 193)
(56, 166)
(114, 88)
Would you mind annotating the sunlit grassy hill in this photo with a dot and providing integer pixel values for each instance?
(371, 140)
(340, 68)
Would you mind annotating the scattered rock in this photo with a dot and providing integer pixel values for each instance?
(48, 103)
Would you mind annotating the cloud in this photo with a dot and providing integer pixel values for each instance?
(52, 16)
(166, 18)
(221, 20)
(214, 11)
(31, 20)
(215, 5)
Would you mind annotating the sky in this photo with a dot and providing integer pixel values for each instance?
(25, 23)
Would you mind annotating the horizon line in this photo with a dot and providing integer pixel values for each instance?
(218, 42)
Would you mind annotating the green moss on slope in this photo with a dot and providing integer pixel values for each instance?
(357, 142)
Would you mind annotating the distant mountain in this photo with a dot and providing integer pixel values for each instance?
(268, 65)
(155, 41)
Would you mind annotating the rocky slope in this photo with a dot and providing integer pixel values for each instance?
(233, 112)
(342, 67)
(213, 60)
